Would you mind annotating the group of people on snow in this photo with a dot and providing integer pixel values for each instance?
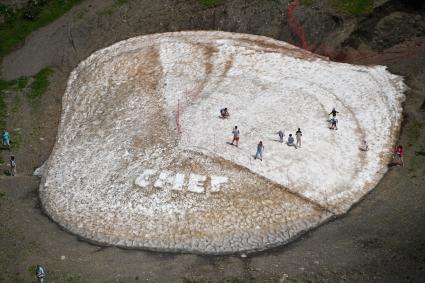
(333, 122)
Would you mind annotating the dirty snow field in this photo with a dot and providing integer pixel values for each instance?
(142, 158)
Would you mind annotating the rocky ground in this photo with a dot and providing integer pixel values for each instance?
(379, 240)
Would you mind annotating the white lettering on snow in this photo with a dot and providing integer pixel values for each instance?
(196, 183)
(142, 180)
(164, 179)
(167, 180)
(178, 182)
(216, 182)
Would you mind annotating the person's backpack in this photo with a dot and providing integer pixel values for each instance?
(13, 163)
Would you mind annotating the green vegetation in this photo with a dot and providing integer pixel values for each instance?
(40, 83)
(38, 87)
(109, 10)
(307, 2)
(2, 195)
(210, 3)
(73, 279)
(352, 7)
(17, 84)
(413, 132)
(35, 14)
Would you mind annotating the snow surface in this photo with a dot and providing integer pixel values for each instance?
(152, 103)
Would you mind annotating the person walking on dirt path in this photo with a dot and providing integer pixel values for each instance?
(12, 165)
(398, 154)
(40, 274)
(260, 150)
(236, 133)
(299, 134)
(291, 141)
(281, 135)
(6, 138)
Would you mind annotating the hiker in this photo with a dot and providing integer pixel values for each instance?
(298, 135)
(291, 141)
(398, 154)
(333, 124)
(333, 113)
(236, 134)
(12, 165)
(40, 274)
(364, 146)
(281, 135)
(224, 113)
(6, 138)
(260, 149)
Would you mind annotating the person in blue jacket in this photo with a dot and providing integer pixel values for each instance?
(291, 141)
(260, 150)
(6, 138)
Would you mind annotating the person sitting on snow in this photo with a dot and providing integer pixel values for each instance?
(291, 141)
(364, 146)
(224, 113)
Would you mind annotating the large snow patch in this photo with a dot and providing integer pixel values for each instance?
(142, 159)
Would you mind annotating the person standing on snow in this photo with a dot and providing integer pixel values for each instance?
(40, 274)
(333, 124)
(236, 133)
(260, 149)
(6, 138)
(298, 134)
(281, 135)
(333, 113)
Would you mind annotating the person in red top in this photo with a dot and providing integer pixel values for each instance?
(398, 153)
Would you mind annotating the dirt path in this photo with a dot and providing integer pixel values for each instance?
(379, 240)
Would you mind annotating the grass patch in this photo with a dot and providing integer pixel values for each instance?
(210, 3)
(73, 279)
(352, 7)
(38, 87)
(41, 83)
(109, 10)
(15, 140)
(413, 131)
(15, 85)
(307, 2)
(2, 195)
(34, 15)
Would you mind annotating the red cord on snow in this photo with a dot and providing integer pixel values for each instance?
(294, 23)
